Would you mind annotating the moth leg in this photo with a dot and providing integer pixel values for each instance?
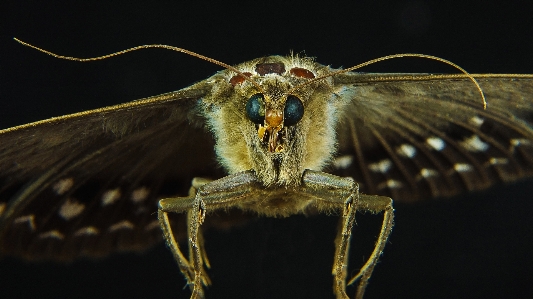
(226, 192)
(171, 242)
(205, 261)
(201, 250)
(374, 204)
(183, 262)
(333, 192)
(343, 193)
(196, 184)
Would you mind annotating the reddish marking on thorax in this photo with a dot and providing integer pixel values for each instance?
(302, 73)
(238, 79)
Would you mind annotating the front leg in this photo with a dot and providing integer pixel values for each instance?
(337, 193)
(229, 191)
(374, 204)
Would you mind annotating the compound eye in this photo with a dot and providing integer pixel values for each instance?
(255, 108)
(293, 112)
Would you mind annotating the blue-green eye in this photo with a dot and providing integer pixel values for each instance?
(255, 108)
(293, 112)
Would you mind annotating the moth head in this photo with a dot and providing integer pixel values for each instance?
(272, 119)
(263, 123)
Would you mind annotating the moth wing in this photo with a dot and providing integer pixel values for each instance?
(87, 184)
(418, 136)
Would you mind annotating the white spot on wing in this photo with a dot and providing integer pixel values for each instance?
(382, 166)
(476, 121)
(86, 231)
(53, 234)
(518, 142)
(498, 161)
(124, 224)
(62, 186)
(343, 162)
(70, 209)
(436, 143)
(110, 196)
(427, 173)
(30, 219)
(462, 167)
(139, 194)
(406, 150)
(474, 144)
(392, 184)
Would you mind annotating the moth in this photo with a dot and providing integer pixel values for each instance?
(274, 136)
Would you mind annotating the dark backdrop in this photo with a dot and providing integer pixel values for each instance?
(476, 245)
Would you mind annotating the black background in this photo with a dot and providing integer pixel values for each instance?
(472, 246)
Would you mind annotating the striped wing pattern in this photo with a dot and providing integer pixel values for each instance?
(87, 186)
(423, 139)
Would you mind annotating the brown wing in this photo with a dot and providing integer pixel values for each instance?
(88, 183)
(421, 136)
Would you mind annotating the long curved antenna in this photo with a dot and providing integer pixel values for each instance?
(167, 47)
(467, 74)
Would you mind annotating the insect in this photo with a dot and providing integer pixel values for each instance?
(292, 135)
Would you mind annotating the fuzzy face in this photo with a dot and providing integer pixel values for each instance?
(275, 146)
